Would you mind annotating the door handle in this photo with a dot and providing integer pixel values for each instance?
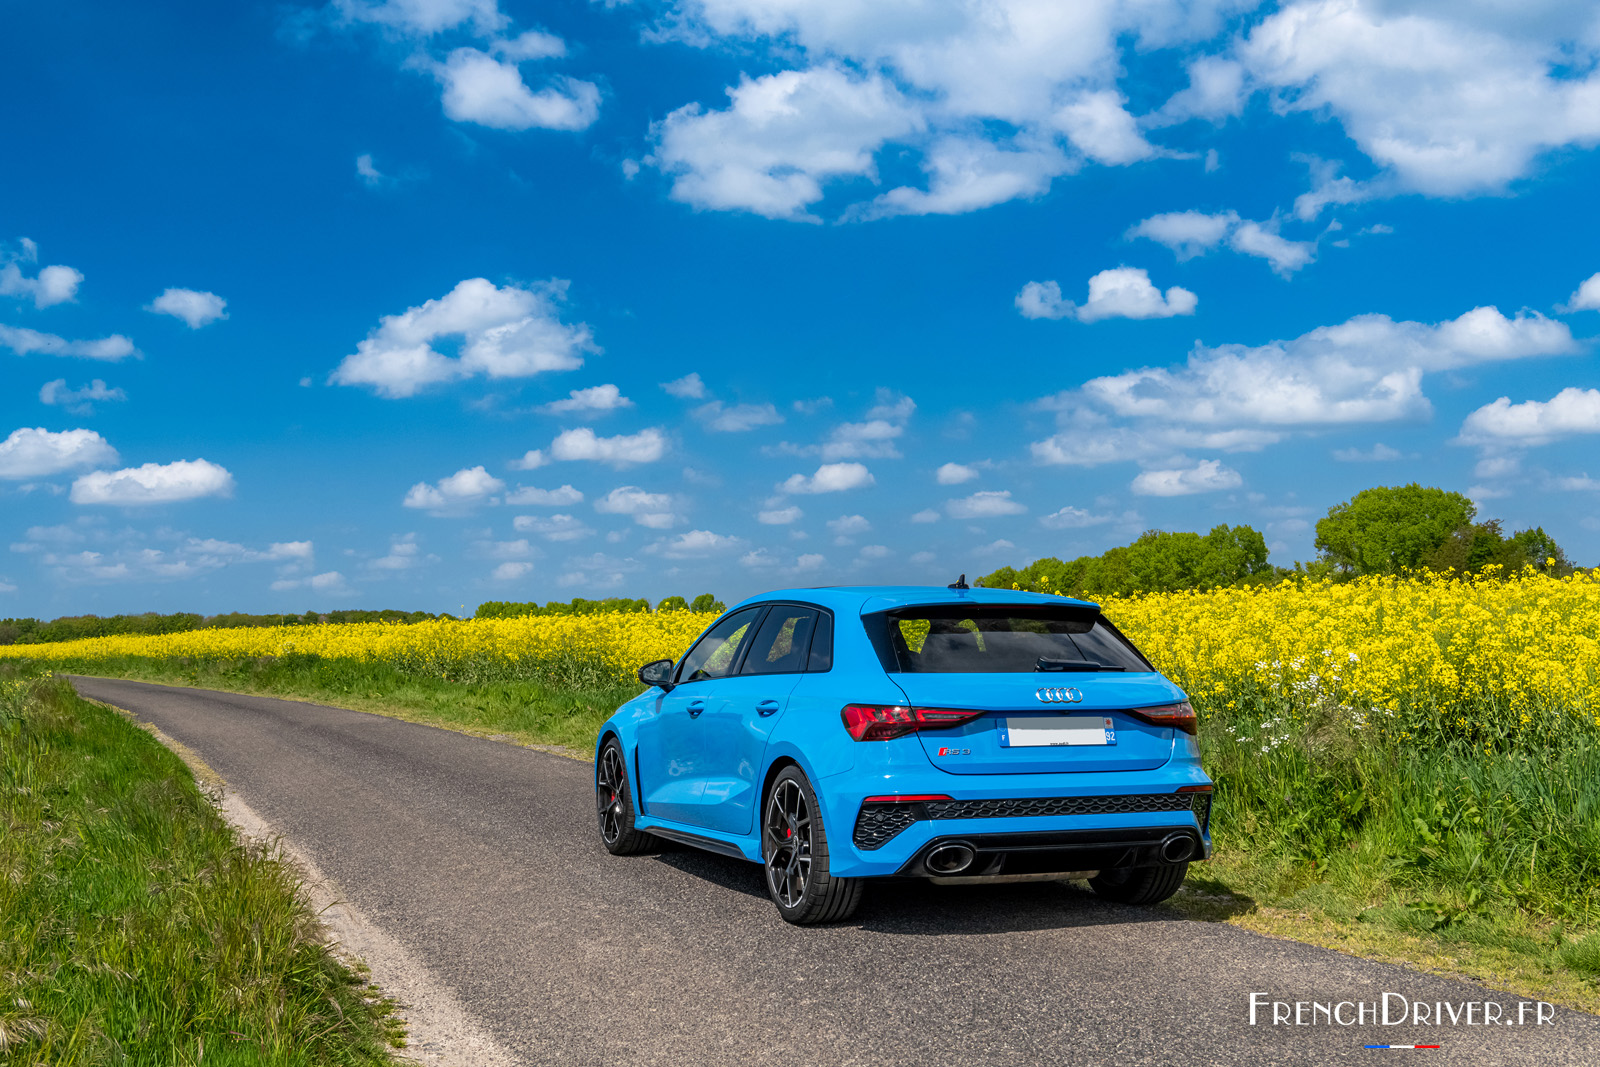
(768, 707)
(695, 708)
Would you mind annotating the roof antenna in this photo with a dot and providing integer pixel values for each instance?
(959, 583)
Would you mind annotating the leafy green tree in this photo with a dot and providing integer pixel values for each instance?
(707, 602)
(1232, 555)
(1540, 551)
(672, 603)
(1388, 529)
(1004, 578)
(1158, 561)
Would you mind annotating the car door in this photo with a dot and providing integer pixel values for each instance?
(747, 708)
(672, 743)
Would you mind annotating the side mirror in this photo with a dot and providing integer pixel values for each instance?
(658, 673)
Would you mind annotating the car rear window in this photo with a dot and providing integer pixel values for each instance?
(1001, 639)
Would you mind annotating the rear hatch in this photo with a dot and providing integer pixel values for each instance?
(1023, 735)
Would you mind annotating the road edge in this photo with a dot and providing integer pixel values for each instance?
(441, 1032)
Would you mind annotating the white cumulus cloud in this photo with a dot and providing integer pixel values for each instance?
(37, 452)
(50, 286)
(461, 491)
(1587, 297)
(623, 450)
(1534, 422)
(196, 309)
(153, 483)
(1071, 518)
(563, 497)
(481, 89)
(425, 17)
(510, 571)
(599, 398)
(847, 527)
(778, 516)
(79, 401)
(696, 544)
(689, 387)
(648, 509)
(1209, 475)
(505, 332)
(737, 418)
(24, 341)
(779, 139)
(955, 474)
(1378, 453)
(1452, 99)
(1368, 369)
(984, 504)
(1121, 292)
(829, 478)
(553, 528)
(1193, 233)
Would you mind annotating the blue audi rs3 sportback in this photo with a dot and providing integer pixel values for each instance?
(958, 735)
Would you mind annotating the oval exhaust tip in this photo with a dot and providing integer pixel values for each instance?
(1177, 848)
(950, 859)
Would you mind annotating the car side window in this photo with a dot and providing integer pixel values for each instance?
(782, 644)
(822, 644)
(714, 655)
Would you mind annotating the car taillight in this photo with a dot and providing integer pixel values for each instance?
(1179, 716)
(880, 722)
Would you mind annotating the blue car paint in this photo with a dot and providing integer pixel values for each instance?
(711, 785)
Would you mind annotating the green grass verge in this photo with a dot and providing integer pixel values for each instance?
(135, 929)
(1479, 861)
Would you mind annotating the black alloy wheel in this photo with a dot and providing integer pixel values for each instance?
(794, 849)
(613, 801)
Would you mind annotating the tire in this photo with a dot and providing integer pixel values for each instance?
(614, 808)
(794, 852)
(1140, 885)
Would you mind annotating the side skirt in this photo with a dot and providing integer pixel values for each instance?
(685, 837)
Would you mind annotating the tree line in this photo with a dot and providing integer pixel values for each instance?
(1384, 530)
(510, 609)
(72, 627)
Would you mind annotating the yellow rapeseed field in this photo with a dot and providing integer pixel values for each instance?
(1526, 648)
(457, 650)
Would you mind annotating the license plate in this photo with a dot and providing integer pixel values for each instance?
(1042, 732)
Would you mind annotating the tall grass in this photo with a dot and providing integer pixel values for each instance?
(134, 929)
(1322, 799)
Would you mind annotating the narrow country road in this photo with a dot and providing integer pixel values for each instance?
(482, 859)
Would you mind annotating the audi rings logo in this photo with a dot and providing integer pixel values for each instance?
(1054, 695)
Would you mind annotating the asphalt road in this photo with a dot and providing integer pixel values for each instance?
(482, 859)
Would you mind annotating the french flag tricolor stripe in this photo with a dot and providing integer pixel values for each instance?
(1402, 1046)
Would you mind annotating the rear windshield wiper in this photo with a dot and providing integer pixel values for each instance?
(1074, 665)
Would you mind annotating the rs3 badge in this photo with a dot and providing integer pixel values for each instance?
(955, 751)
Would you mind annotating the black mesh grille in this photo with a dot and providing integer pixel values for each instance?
(1025, 806)
(878, 823)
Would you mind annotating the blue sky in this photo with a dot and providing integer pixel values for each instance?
(418, 303)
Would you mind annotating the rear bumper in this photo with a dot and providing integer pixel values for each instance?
(1026, 822)
(1043, 852)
